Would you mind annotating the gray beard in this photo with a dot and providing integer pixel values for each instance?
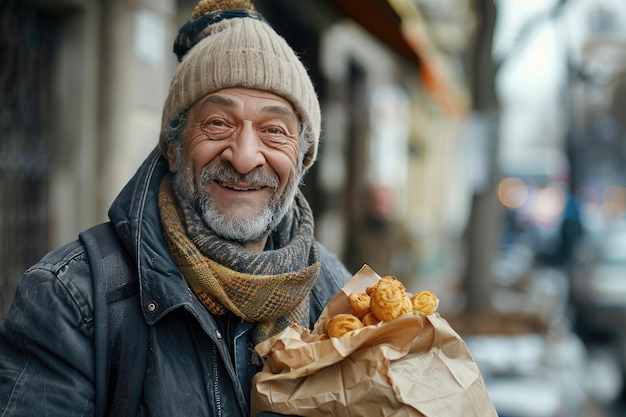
(250, 229)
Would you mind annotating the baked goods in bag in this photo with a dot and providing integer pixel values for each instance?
(414, 365)
(384, 301)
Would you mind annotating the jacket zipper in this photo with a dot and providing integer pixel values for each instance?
(216, 391)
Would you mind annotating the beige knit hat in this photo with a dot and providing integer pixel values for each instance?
(228, 44)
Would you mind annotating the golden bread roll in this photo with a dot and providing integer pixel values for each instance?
(386, 280)
(359, 304)
(342, 324)
(370, 319)
(425, 302)
(388, 299)
(407, 305)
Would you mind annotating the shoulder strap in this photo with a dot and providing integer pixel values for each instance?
(121, 333)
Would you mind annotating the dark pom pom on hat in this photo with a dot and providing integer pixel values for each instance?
(208, 6)
(207, 13)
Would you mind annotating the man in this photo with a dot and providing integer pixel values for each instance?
(216, 229)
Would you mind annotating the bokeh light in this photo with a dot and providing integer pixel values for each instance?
(512, 192)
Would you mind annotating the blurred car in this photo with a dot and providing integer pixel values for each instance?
(599, 279)
(598, 291)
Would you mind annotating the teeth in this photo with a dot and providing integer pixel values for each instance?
(236, 188)
(245, 189)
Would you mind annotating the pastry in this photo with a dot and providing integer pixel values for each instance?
(359, 304)
(370, 319)
(389, 299)
(407, 305)
(425, 302)
(342, 324)
(386, 280)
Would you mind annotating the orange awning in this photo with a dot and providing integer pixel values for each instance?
(403, 34)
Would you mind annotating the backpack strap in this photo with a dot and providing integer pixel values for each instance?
(120, 331)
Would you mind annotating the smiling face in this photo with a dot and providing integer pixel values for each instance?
(239, 162)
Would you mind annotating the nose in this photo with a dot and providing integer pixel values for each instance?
(244, 152)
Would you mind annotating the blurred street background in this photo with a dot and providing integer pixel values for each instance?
(473, 148)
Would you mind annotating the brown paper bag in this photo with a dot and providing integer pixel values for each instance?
(415, 365)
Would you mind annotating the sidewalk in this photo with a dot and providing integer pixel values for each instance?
(591, 408)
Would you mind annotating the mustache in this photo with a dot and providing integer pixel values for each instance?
(227, 173)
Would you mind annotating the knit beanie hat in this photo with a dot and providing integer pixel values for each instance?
(227, 43)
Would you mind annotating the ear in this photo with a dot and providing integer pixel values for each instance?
(170, 154)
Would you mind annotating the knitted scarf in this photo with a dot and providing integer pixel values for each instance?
(271, 288)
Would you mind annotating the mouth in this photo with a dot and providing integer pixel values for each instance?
(239, 187)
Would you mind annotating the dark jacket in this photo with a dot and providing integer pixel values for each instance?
(196, 365)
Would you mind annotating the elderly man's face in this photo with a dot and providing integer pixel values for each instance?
(239, 162)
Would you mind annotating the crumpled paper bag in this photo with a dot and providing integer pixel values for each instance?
(415, 365)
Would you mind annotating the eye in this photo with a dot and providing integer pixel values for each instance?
(275, 131)
(216, 128)
(276, 136)
(216, 122)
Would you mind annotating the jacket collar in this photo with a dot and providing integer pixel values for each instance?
(135, 214)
